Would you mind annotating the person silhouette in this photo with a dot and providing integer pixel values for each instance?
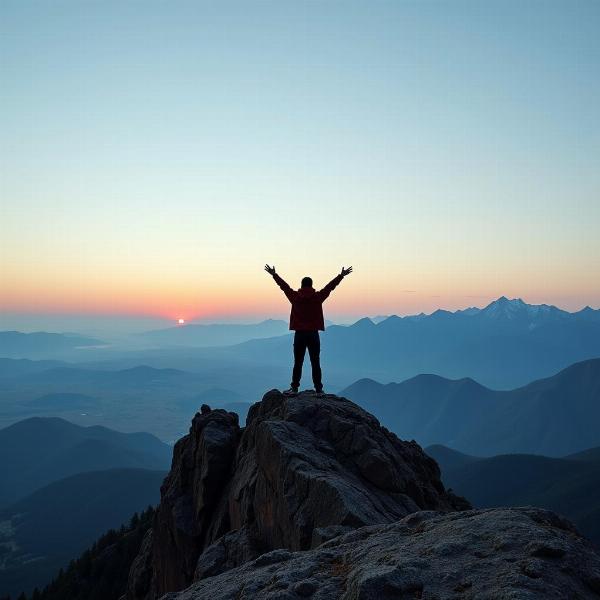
(306, 319)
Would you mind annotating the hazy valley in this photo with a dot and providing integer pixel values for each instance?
(516, 383)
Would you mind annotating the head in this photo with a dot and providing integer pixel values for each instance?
(306, 282)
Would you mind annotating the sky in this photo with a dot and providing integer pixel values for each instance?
(155, 155)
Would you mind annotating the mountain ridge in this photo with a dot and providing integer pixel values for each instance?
(214, 334)
(15, 344)
(69, 449)
(502, 306)
(474, 419)
(529, 341)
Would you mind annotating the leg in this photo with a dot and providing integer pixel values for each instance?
(314, 351)
(299, 352)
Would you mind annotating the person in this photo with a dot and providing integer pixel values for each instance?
(306, 319)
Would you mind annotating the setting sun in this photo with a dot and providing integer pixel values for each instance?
(181, 321)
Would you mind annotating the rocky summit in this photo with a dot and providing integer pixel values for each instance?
(314, 498)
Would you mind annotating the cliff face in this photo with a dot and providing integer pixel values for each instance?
(302, 471)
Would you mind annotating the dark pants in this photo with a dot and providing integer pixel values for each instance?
(302, 341)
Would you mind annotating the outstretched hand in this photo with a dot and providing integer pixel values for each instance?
(346, 271)
(270, 270)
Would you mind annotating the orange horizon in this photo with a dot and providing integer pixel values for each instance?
(266, 304)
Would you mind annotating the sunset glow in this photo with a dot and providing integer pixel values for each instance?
(405, 154)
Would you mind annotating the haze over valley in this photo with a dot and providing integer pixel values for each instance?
(503, 346)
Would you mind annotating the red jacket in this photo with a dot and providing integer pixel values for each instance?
(307, 304)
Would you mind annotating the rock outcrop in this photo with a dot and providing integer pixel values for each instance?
(494, 554)
(315, 499)
(304, 470)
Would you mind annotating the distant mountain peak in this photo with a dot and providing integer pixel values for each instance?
(364, 322)
(586, 310)
(503, 301)
(391, 319)
(510, 308)
(379, 318)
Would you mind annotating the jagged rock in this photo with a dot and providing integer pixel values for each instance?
(494, 554)
(306, 463)
(302, 466)
(186, 519)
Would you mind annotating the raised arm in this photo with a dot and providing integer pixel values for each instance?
(324, 293)
(287, 290)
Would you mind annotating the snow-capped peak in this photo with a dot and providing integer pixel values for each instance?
(516, 307)
(503, 307)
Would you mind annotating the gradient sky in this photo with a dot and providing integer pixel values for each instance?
(155, 155)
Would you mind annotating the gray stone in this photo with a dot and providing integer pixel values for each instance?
(188, 517)
(303, 471)
(429, 556)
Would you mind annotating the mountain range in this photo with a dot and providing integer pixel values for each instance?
(555, 416)
(14, 344)
(504, 345)
(216, 334)
(160, 401)
(13, 367)
(39, 451)
(569, 485)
